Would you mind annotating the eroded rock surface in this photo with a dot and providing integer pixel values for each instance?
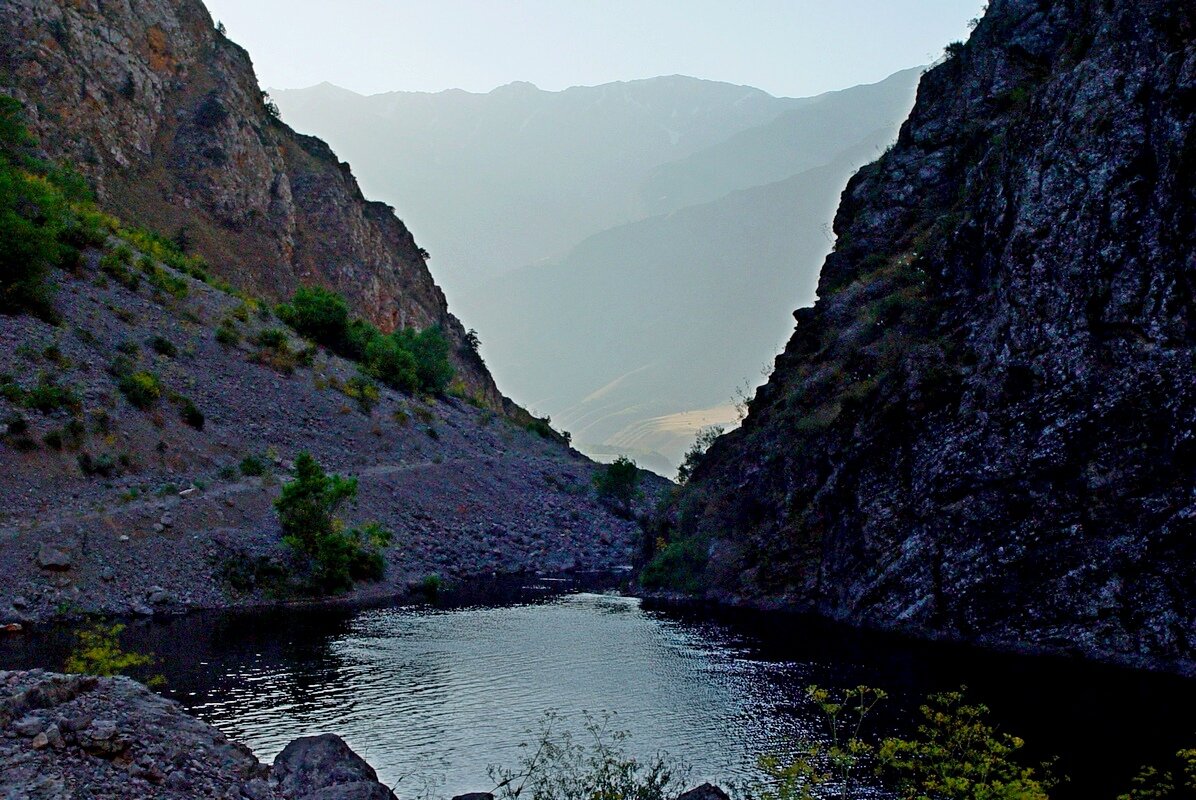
(986, 427)
(165, 116)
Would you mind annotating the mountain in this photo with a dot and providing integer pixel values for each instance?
(628, 251)
(152, 404)
(802, 138)
(660, 318)
(164, 116)
(983, 428)
(496, 181)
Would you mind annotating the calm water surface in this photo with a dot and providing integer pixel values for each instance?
(438, 695)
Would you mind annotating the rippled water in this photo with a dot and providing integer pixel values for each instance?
(429, 695)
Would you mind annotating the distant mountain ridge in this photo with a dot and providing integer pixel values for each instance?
(494, 181)
(624, 250)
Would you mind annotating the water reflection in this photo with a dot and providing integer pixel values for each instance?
(443, 694)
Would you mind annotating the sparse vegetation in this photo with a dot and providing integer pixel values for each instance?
(141, 388)
(307, 511)
(596, 766)
(252, 467)
(618, 483)
(97, 651)
(406, 360)
(958, 755)
(676, 565)
(706, 437)
(163, 347)
(189, 412)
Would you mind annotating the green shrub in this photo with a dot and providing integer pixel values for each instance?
(190, 414)
(407, 360)
(958, 755)
(48, 396)
(618, 482)
(103, 465)
(97, 651)
(116, 264)
(227, 334)
(272, 337)
(320, 315)
(363, 390)
(388, 361)
(677, 566)
(431, 349)
(141, 388)
(706, 437)
(252, 467)
(163, 347)
(307, 511)
(33, 216)
(431, 584)
(542, 428)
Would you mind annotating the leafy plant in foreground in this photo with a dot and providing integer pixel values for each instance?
(557, 766)
(97, 651)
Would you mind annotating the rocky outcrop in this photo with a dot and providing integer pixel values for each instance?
(325, 768)
(65, 736)
(165, 116)
(985, 429)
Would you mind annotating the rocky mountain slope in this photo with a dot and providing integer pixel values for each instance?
(165, 117)
(149, 411)
(985, 428)
(116, 502)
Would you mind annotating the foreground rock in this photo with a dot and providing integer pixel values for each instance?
(68, 736)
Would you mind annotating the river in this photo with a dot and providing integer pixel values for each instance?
(433, 696)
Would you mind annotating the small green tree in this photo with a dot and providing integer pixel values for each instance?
(618, 482)
(307, 511)
(958, 755)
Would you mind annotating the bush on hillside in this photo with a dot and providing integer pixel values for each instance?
(320, 315)
(706, 437)
(407, 360)
(307, 511)
(618, 482)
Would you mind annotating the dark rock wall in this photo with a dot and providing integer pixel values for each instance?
(986, 427)
(165, 116)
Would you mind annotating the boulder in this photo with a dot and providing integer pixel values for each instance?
(707, 791)
(52, 556)
(475, 796)
(325, 768)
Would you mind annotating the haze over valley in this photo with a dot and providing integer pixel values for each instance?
(629, 253)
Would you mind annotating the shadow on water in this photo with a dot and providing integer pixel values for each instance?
(444, 691)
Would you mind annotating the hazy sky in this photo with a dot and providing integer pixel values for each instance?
(786, 47)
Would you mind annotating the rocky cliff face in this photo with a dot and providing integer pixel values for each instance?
(165, 116)
(986, 426)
